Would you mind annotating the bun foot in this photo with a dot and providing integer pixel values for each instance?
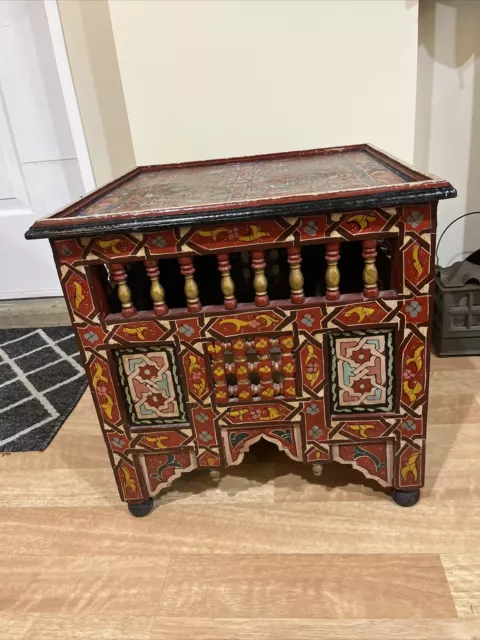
(141, 509)
(215, 475)
(406, 498)
(317, 470)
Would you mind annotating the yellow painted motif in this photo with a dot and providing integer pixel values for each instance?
(361, 428)
(267, 319)
(410, 467)
(107, 406)
(213, 349)
(245, 323)
(79, 296)
(255, 233)
(213, 233)
(417, 358)
(414, 392)
(98, 376)
(136, 331)
(129, 479)
(157, 441)
(416, 261)
(240, 413)
(201, 384)
(110, 244)
(238, 323)
(311, 376)
(362, 220)
(361, 312)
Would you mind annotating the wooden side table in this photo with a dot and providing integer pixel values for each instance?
(285, 297)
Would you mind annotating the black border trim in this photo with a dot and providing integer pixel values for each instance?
(155, 223)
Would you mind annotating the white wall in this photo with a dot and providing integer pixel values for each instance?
(38, 164)
(206, 79)
(447, 141)
(93, 62)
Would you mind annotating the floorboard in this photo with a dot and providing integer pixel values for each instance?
(269, 553)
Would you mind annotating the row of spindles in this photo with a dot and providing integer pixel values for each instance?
(260, 284)
(332, 274)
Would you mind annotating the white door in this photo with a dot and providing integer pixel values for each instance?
(39, 168)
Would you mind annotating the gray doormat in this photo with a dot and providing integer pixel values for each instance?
(41, 381)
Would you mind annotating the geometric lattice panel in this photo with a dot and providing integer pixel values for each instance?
(252, 369)
(151, 384)
(362, 371)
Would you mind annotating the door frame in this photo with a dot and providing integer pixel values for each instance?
(69, 95)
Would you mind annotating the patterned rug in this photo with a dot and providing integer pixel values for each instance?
(41, 381)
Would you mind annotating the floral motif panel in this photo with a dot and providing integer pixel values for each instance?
(151, 384)
(362, 371)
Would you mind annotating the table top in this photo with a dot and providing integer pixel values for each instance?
(268, 186)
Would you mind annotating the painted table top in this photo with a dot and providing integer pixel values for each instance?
(173, 194)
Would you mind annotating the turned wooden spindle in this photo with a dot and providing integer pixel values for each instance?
(119, 277)
(156, 290)
(332, 275)
(260, 281)
(296, 277)
(191, 290)
(227, 285)
(239, 348)
(370, 273)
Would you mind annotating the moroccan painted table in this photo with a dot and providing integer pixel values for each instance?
(285, 297)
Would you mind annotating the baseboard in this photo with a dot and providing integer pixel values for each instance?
(22, 294)
(33, 312)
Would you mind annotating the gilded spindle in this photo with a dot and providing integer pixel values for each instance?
(227, 285)
(332, 275)
(370, 273)
(296, 277)
(156, 290)
(119, 276)
(242, 369)
(260, 281)
(191, 290)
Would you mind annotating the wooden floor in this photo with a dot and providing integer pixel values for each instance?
(272, 553)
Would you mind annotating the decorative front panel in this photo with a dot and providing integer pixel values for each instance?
(362, 371)
(161, 469)
(238, 441)
(151, 385)
(373, 459)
